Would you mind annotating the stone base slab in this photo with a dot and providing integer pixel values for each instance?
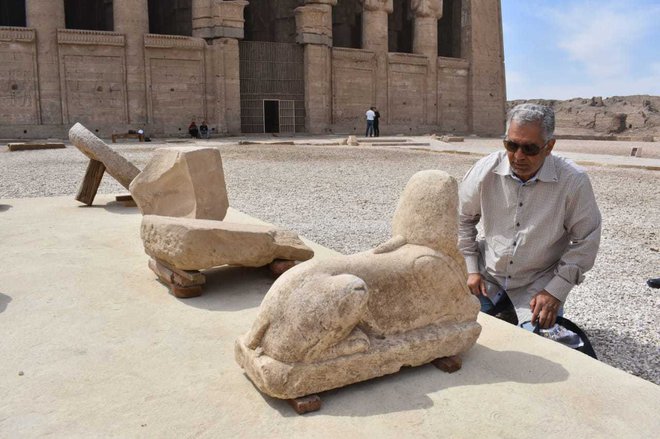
(385, 356)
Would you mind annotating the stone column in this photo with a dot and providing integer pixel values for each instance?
(485, 51)
(374, 38)
(374, 24)
(221, 24)
(131, 18)
(425, 42)
(46, 16)
(202, 18)
(314, 30)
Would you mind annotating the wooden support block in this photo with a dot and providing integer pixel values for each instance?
(186, 292)
(305, 404)
(34, 146)
(279, 266)
(91, 182)
(126, 200)
(183, 284)
(448, 364)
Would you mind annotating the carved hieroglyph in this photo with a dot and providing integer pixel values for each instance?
(329, 323)
(185, 182)
(194, 244)
(121, 169)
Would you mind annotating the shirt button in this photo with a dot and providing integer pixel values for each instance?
(509, 277)
(520, 204)
(514, 243)
(517, 224)
(510, 262)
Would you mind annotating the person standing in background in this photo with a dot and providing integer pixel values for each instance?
(371, 116)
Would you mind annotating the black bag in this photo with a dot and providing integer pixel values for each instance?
(586, 348)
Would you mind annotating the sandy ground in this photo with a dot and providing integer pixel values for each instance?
(343, 198)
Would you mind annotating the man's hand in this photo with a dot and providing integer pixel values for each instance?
(544, 308)
(476, 284)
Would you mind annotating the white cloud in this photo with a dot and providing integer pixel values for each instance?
(604, 50)
(604, 36)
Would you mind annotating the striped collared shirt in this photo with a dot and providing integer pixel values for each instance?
(539, 234)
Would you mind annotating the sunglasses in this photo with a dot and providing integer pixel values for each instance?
(527, 149)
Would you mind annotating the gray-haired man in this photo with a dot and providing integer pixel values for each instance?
(539, 219)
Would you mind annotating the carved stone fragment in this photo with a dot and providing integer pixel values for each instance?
(184, 182)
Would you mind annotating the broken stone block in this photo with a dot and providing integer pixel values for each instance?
(121, 169)
(352, 141)
(329, 323)
(198, 244)
(186, 182)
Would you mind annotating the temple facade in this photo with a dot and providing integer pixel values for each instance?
(285, 66)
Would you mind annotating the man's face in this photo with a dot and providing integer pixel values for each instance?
(526, 166)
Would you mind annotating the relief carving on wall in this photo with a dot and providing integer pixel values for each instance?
(426, 8)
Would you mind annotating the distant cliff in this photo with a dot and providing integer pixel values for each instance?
(637, 115)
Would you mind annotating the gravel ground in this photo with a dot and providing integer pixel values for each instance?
(343, 198)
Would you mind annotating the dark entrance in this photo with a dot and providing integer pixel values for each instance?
(89, 14)
(272, 116)
(170, 17)
(12, 13)
(272, 80)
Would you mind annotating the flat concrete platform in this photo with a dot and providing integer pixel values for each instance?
(93, 346)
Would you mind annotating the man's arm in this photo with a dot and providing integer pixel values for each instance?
(468, 218)
(583, 225)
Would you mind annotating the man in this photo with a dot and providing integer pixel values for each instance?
(371, 115)
(376, 122)
(193, 130)
(540, 222)
(204, 130)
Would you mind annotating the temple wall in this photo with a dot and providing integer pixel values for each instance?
(175, 71)
(19, 100)
(115, 81)
(353, 87)
(93, 78)
(453, 108)
(407, 93)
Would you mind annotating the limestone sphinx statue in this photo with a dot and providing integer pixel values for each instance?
(331, 322)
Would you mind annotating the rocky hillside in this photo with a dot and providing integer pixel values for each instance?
(622, 115)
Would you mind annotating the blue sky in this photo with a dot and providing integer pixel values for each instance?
(559, 49)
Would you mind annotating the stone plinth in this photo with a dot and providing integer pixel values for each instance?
(193, 244)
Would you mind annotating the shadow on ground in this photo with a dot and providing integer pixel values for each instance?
(233, 289)
(409, 389)
(113, 207)
(4, 207)
(4, 301)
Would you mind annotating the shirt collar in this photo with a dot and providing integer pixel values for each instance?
(547, 173)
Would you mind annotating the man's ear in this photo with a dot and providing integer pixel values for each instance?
(550, 145)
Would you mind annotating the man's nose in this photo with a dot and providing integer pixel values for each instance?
(519, 155)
